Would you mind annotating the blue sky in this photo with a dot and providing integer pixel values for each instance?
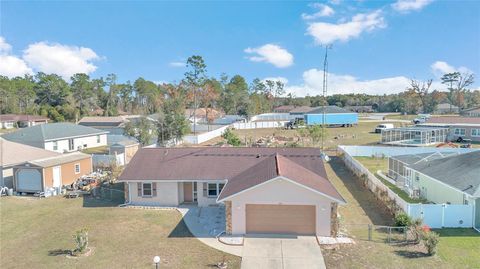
(377, 45)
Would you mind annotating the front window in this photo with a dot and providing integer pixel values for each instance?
(147, 189)
(55, 145)
(77, 168)
(212, 189)
(98, 139)
(459, 131)
(475, 132)
(70, 144)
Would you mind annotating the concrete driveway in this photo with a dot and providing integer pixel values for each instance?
(281, 252)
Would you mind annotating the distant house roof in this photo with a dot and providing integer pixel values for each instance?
(201, 112)
(61, 159)
(126, 143)
(17, 117)
(453, 121)
(472, 109)
(301, 109)
(102, 121)
(446, 106)
(459, 171)
(15, 153)
(51, 131)
(286, 108)
(119, 139)
(410, 159)
(329, 110)
(303, 165)
(275, 166)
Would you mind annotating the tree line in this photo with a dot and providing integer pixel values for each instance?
(60, 100)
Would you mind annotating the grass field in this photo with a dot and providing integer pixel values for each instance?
(36, 234)
(96, 150)
(362, 134)
(458, 248)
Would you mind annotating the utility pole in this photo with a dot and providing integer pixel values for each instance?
(325, 75)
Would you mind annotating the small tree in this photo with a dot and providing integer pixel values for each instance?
(403, 219)
(232, 138)
(416, 229)
(430, 241)
(81, 240)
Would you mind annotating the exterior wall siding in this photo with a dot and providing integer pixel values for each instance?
(167, 195)
(436, 192)
(468, 133)
(338, 118)
(68, 175)
(90, 141)
(280, 192)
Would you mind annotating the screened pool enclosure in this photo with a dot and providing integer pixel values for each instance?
(414, 136)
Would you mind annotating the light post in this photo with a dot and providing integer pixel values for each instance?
(156, 260)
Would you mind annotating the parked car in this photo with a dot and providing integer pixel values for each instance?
(422, 118)
(296, 123)
(384, 126)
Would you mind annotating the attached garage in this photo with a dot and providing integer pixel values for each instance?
(280, 219)
(29, 180)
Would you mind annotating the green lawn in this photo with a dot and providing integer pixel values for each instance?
(96, 150)
(36, 233)
(458, 248)
(375, 164)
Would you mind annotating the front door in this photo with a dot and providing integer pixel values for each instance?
(57, 177)
(187, 192)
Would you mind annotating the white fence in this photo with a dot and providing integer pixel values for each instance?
(369, 151)
(273, 117)
(434, 215)
(203, 137)
(259, 124)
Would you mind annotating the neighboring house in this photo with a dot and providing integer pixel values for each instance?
(283, 109)
(264, 190)
(446, 108)
(50, 174)
(59, 137)
(360, 109)
(12, 154)
(126, 147)
(459, 127)
(114, 125)
(8, 121)
(334, 116)
(441, 178)
(200, 115)
(300, 111)
(471, 112)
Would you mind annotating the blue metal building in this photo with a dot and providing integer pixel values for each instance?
(334, 116)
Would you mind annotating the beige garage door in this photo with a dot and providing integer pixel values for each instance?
(290, 219)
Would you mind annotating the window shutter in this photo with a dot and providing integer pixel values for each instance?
(154, 189)
(205, 189)
(139, 187)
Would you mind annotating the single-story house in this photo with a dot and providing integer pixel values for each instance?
(459, 127)
(441, 178)
(103, 122)
(471, 112)
(300, 111)
(446, 108)
(334, 116)
(51, 173)
(264, 190)
(13, 154)
(8, 121)
(59, 137)
(360, 109)
(283, 109)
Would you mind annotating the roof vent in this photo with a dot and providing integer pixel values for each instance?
(258, 156)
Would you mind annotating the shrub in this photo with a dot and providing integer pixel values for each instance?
(232, 139)
(416, 229)
(430, 241)
(81, 240)
(402, 219)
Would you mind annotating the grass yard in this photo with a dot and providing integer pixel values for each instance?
(362, 134)
(96, 150)
(458, 248)
(36, 233)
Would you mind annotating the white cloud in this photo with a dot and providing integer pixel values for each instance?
(11, 65)
(271, 53)
(323, 11)
(410, 5)
(177, 64)
(439, 68)
(335, 2)
(60, 59)
(327, 33)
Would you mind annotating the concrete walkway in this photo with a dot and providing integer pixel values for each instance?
(282, 252)
(205, 223)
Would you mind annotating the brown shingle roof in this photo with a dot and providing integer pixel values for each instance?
(17, 117)
(454, 120)
(275, 166)
(243, 167)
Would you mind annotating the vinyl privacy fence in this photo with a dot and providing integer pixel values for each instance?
(434, 215)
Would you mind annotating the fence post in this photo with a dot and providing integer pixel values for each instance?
(405, 233)
(369, 232)
(389, 234)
